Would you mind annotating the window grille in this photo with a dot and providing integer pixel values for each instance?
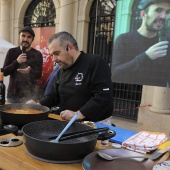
(102, 18)
(40, 13)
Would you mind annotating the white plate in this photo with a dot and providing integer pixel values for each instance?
(162, 166)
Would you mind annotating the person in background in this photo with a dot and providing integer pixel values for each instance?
(143, 56)
(49, 83)
(24, 65)
(83, 83)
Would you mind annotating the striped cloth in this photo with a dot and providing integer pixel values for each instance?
(145, 141)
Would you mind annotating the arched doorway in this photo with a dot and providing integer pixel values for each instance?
(40, 15)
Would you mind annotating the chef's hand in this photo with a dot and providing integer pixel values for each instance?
(68, 115)
(158, 50)
(25, 70)
(22, 58)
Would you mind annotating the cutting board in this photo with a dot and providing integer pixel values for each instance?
(121, 134)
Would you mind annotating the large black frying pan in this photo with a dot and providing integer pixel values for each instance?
(37, 136)
(22, 119)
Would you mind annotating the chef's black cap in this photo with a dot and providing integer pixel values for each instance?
(147, 3)
(27, 29)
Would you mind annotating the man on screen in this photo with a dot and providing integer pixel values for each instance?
(141, 56)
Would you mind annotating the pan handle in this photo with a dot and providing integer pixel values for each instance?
(106, 135)
(55, 109)
(80, 134)
(11, 129)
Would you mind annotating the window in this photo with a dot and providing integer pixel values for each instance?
(40, 13)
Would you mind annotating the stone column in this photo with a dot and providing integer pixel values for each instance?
(5, 20)
(66, 15)
(156, 117)
(161, 100)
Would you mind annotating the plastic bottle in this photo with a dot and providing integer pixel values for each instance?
(2, 87)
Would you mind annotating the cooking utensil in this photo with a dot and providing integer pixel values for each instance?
(164, 157)
(36, 136)
(10, 142)
(119, 138)
(92, 161)
(10, 129)
(82, 133)
(159, 152)
(164, 150)
(65, 129)
(110, 158)
(22, 119)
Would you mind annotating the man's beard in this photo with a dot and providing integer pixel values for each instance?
(69, 63)
(25, 44)
(151, 28)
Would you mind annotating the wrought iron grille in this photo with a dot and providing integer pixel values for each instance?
(102, 18)
(127, 98)
(40, 13)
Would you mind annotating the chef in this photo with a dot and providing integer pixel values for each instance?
(83, 83)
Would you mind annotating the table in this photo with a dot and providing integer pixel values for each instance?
(16, 157)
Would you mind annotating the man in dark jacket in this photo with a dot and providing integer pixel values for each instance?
(83, 83)
(24, 65)
(143, 56)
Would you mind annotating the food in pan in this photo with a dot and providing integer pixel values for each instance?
(23, 111)
(89, 123)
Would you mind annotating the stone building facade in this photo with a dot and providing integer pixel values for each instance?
(73, 16)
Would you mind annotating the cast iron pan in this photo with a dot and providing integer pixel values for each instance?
(22, 119)
(37, 137)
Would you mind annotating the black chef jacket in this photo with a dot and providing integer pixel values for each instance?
(85, 86)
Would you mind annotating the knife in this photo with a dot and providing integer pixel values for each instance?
(160, 151)
(164, 150)
(164, 157)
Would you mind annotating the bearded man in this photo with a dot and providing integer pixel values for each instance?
(143, 56)
(24, 65)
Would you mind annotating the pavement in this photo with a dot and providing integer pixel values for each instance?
(126, 123)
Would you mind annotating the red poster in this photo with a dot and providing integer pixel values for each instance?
(40, 43)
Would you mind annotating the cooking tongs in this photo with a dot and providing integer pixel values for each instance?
(104, 133)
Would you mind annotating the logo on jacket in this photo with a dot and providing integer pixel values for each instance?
(79, 78)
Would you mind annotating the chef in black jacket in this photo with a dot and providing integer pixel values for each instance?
(83, 83)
